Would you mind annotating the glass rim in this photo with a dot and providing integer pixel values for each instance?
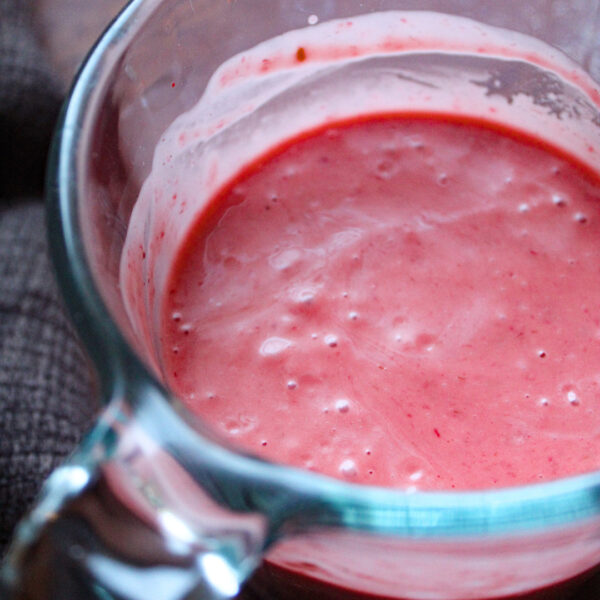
(536, 507)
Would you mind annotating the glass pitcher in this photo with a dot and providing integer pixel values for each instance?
(154, 504)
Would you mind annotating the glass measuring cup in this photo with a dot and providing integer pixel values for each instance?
(154, 504)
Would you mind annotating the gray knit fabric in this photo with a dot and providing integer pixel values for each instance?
(45, 395)
(29, 102)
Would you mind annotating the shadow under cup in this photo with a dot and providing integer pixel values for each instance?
(154, 504)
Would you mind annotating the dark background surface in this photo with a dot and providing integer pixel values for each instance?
(67, 29)
(47, 398)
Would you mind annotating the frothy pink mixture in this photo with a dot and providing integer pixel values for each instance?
(371, 250)
(402, 301)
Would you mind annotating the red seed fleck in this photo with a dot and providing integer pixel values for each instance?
(173, 84)
(437, 433)
(301, 54)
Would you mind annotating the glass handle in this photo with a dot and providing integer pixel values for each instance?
(123, 520)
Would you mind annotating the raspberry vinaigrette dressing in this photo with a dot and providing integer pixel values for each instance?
(383, 267)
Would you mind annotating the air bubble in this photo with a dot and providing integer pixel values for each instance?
(572, 398)
(331, 340)
(544, 401)
(274, 345)
(292, 385)
(313, 19)
(342, 405)
(306, 296)
(303, 295)
(240, 425)
(524, 207)
(348, 468)
(285, 258)
(416, 475)
(353, 315)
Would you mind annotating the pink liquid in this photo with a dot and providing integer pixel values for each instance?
(407, 300)
(402, 301)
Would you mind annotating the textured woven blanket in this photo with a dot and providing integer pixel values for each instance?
(45, 398)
